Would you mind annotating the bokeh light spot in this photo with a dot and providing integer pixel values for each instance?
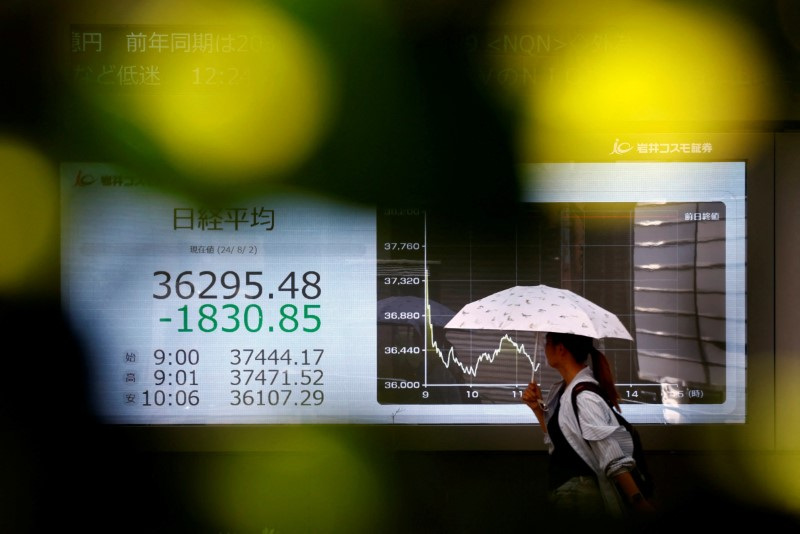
(253, 107)
(28, 216)
(642, 65)
(318, 483)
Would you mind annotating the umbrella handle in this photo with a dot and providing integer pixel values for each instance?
(542, 404)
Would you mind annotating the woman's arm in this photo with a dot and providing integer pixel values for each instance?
(612, 446)
(629, 491)
(532, 396)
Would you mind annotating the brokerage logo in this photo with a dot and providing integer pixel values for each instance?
(621, 147)
(82, 180)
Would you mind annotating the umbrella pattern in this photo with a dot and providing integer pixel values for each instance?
(539, 308)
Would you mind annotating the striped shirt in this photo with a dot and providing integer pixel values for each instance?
(600, 440)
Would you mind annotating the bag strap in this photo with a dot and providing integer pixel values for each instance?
(644, 479)
(595, 388)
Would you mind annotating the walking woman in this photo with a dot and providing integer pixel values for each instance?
(589, 460)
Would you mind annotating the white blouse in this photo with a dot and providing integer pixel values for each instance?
(600, 440)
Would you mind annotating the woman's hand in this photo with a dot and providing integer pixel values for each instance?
(532, 396)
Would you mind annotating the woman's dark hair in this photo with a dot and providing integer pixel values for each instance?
(581, 347)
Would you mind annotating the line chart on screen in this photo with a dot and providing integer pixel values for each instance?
(668, 263)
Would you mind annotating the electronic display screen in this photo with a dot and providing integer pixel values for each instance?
(296, 309)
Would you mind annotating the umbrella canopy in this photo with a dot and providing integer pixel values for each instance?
(539, 309)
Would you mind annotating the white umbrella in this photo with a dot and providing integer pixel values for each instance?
(539, 309)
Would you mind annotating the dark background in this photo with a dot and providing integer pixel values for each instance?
(414, 111)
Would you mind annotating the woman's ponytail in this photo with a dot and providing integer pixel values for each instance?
(602, 372)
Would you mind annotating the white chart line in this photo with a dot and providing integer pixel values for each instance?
(471, 370)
